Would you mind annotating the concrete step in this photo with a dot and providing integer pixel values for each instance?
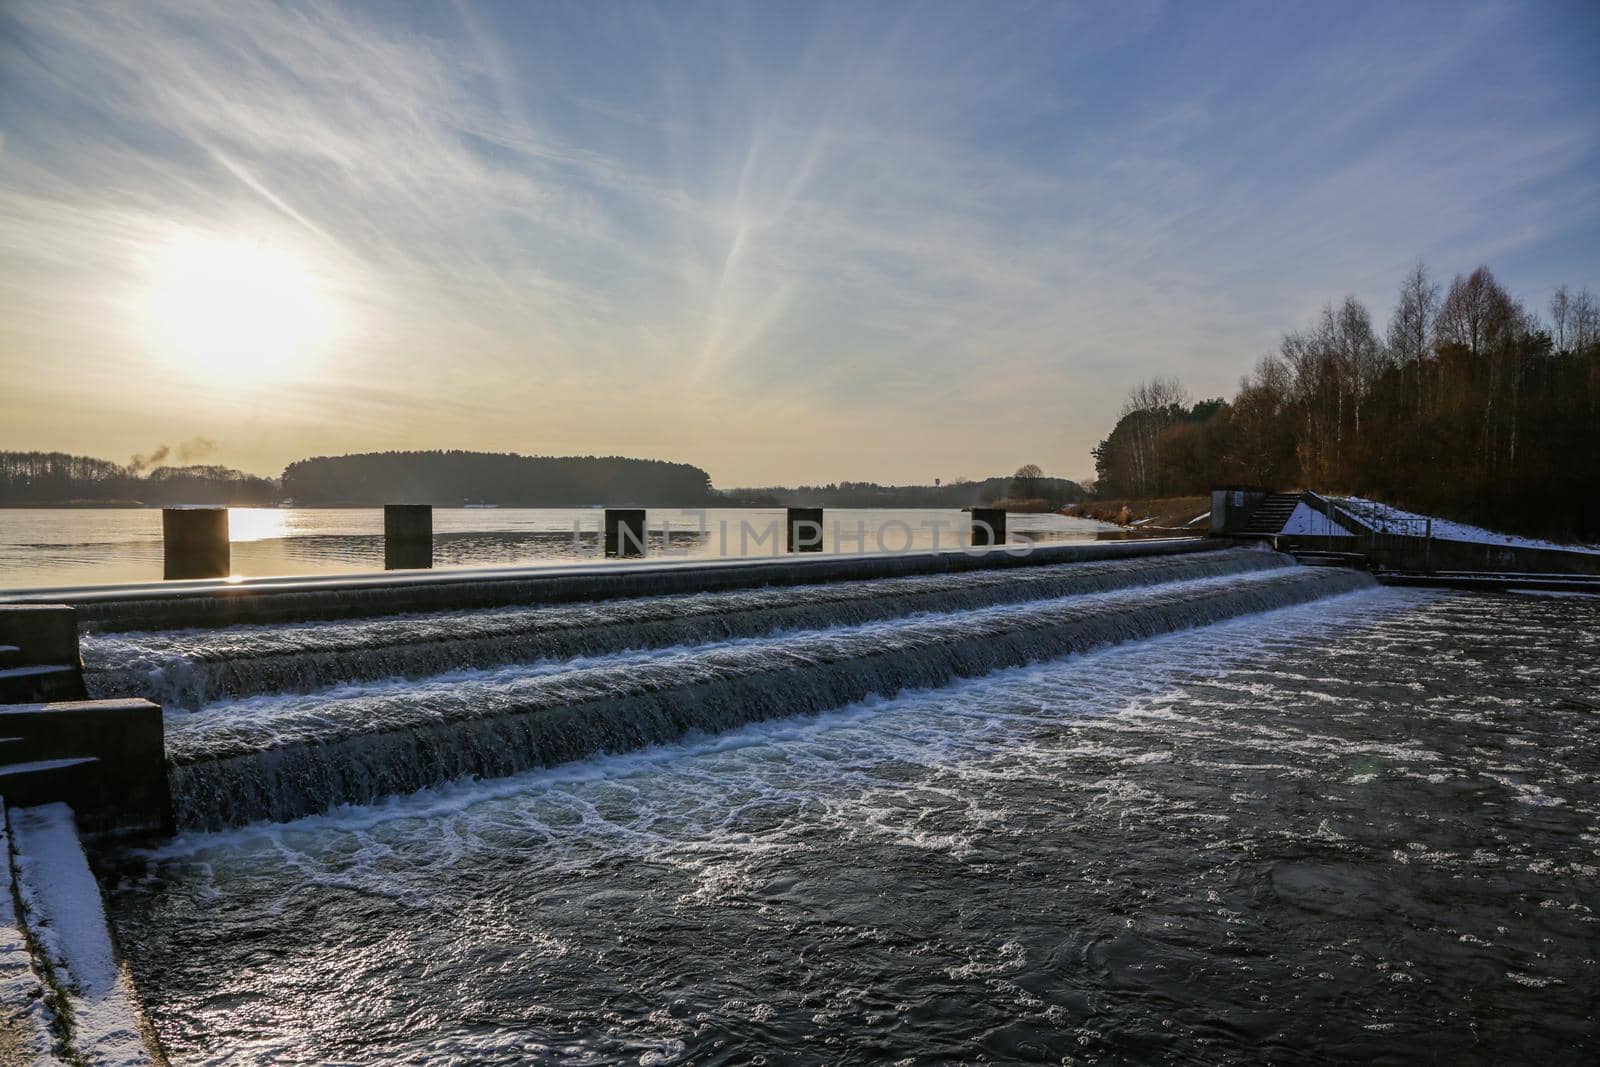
(10, 656)
(47, 781)
(40, 683)
(124, 789)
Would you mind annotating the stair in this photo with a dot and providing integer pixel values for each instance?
(47, 781)
(40, 683)
(10, 656)
(1270, 515)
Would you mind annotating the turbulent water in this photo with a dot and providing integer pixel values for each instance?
(367, 713)
(1360, 828)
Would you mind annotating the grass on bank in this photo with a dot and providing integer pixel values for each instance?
(1168, 513)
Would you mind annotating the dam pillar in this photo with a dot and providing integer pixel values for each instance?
(624, 532)
(194, 543)
(407, 537)
(804, 526)
(988, 527)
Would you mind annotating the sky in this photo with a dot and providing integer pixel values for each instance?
(789, 243)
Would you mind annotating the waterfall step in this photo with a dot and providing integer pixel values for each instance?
(192, 670)
(283, 759)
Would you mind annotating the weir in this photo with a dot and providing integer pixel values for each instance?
(190, 670)
(281, 758)
(327, 695)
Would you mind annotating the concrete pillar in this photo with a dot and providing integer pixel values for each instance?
(805, 529)
(625, 531)
(195, 543)
(988, 526)
(407, 537)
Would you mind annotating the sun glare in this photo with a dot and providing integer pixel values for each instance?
(236, 307)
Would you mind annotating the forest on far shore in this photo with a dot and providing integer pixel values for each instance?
(1468, 405)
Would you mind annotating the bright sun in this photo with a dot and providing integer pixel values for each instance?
(235, 307)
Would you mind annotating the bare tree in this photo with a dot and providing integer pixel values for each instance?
(1479, 315)
(1560, 314)
(1584, 322)
(1150, 408)
(1411, 327)
(1025, 483)
(1475, 313)
(1360, 355)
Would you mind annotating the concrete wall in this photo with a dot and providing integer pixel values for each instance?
(1419, 554)
(1232, 506)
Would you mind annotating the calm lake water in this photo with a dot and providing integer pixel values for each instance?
(1365, 829)
(83, 546)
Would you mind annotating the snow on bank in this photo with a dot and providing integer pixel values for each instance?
(24, 1020)
(1387, 519)
(1308, 520)
(62, 907)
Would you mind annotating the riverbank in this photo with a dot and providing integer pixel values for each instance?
(1166, 513)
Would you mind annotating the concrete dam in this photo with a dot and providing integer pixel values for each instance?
(287, 700)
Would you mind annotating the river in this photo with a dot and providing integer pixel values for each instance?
(1361, 828)
(44, 547)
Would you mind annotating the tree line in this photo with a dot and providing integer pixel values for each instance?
(1029, 488)
(453, 478)
(59, 478)
(1468, 405)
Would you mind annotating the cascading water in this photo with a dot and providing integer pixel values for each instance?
(188, 669)
(700, 664)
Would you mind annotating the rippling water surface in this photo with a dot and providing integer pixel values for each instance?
(43, 547)
(1361, 829)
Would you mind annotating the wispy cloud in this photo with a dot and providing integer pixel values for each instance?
(783, 242)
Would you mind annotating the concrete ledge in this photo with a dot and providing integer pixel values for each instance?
(157, 606)
(1419, 554)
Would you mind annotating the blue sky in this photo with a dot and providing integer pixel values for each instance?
(787, 242)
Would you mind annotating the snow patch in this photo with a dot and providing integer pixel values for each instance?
(1386, 519)
(1308, 520)
(24, 1018)
(62, 907)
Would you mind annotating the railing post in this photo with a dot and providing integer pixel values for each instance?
(194, 543)
(407, 537)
